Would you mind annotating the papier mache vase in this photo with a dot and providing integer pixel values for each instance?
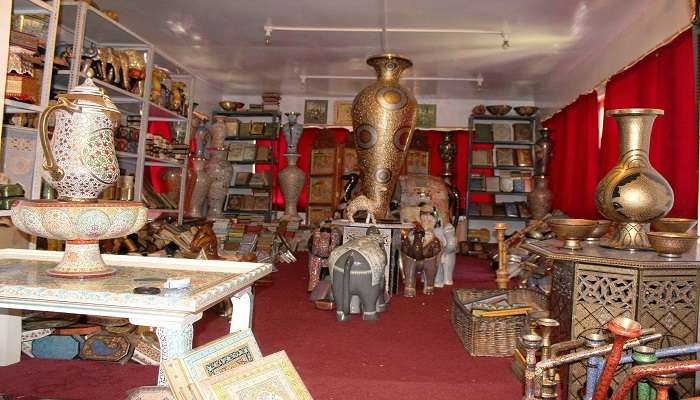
(633, 193)
(220, 172)
(383, 119)
(197, 187)
(291, 182)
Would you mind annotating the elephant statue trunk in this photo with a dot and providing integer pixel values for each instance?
(345, 301)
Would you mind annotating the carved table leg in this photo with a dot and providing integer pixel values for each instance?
(173, 343)
(10, 336)
(242, 316)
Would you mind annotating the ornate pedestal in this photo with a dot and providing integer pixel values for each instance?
(594, 285)
(391, 232)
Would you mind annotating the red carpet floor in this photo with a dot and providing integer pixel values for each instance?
(412, 352)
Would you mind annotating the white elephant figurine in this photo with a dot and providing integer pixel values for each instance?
(447, 236)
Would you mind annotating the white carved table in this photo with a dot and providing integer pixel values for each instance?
(24, 285)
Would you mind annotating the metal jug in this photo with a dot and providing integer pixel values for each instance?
(80, 160)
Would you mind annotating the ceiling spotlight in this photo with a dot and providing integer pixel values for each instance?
(302, 79)
(268, 35)
(506, 41)
(479, 80)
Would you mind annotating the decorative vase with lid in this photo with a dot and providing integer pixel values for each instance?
(633, 193)
(292, 131)
(383, 120)
(292, 182)
(220, 171)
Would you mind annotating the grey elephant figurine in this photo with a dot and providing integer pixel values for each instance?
(420, 251)
(357, 269)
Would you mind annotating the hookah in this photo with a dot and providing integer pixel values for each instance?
(594, 363)
(661, 375)
(623, 328)
(531, 343)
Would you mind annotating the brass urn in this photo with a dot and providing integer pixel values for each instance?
(383, 120)
(633, 193)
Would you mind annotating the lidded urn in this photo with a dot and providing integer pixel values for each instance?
(80, 160)
(383, 120)
(633, 193)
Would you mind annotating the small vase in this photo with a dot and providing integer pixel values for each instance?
(539, 200)
(633, 193)
(217, 133)
(171, 178)
(220, 172)
(198, 186)
(543, 152)
(292, 182)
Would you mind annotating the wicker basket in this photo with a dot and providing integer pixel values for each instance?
(491, 336)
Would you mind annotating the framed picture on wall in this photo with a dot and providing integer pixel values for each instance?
(505, 158)
(417, 162)
(342, 113)
(349, 160)
(482, 158)
(316, 214)
(321, 189)
(316, 112)
(427, 116)
(322, 161)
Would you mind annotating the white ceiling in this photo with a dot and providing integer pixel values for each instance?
(558, 47)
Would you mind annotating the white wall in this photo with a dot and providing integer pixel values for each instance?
(450, 112)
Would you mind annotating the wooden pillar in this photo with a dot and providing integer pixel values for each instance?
(502, 272)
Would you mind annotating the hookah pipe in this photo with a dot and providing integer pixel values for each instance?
(594, 364)
(644, 355)
(623, 328)
(569, 358)
(546, 326)
(657, 372)
(531, 343)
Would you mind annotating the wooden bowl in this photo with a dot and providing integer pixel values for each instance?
(572, 231)
(601, 228)
(526, 111)
(500, 109)
(230, 105)
(679, 225)
(671, 244)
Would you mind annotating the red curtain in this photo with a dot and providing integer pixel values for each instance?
(663, 79)
(162, 129)
(574, 165)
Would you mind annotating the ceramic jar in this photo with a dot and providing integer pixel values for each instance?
(292, 131)
(220, 172)
(292, 182)
(633, 193)
(217, 133)
(539, 200)
(383, 120)
(197, 188)
(80, 160)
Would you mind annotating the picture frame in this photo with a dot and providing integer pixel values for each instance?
(317, 214)
(476, 183)
(257, 129)
(417, 162)
(522, 133)
(242, 178)
(350, 160)
(426, 116)
(505, 157)
(502, 133)
(483, 133)
(322, 161)
(482, 158)
(493, 183)
(234, 202)
(523, 157)
(321, 189)
(315, 112)
(342, 113)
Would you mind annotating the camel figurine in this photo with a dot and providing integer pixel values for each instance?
(373, 207)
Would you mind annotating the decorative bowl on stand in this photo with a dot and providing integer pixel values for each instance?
(230, 105)
(679, 225)
(572, 231)
(500, 109)
(601, 228)
(671, 244)
(82, 225)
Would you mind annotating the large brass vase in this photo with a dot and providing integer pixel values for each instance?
(383, 119)
(633, 193)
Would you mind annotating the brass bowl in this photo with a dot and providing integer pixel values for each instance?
(679, 225)
(601, 228)
(572, 231)
(230, 105)
(500, 109)
(526, 111)
(671, 244)
(479, 110)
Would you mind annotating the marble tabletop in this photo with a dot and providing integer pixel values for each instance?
(598, 254)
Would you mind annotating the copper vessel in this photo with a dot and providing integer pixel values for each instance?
(383, 120)
(670, 244)
(633, 193)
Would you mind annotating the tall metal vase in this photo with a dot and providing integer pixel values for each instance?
(633, 193)
(292, 182)
(197, 187)
(383, 119)
(220, 171)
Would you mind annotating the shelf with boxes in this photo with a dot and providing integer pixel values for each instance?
(500, 170)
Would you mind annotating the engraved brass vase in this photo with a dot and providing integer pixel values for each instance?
(383, 120)
(633, 193)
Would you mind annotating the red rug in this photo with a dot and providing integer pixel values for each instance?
(412, 352)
